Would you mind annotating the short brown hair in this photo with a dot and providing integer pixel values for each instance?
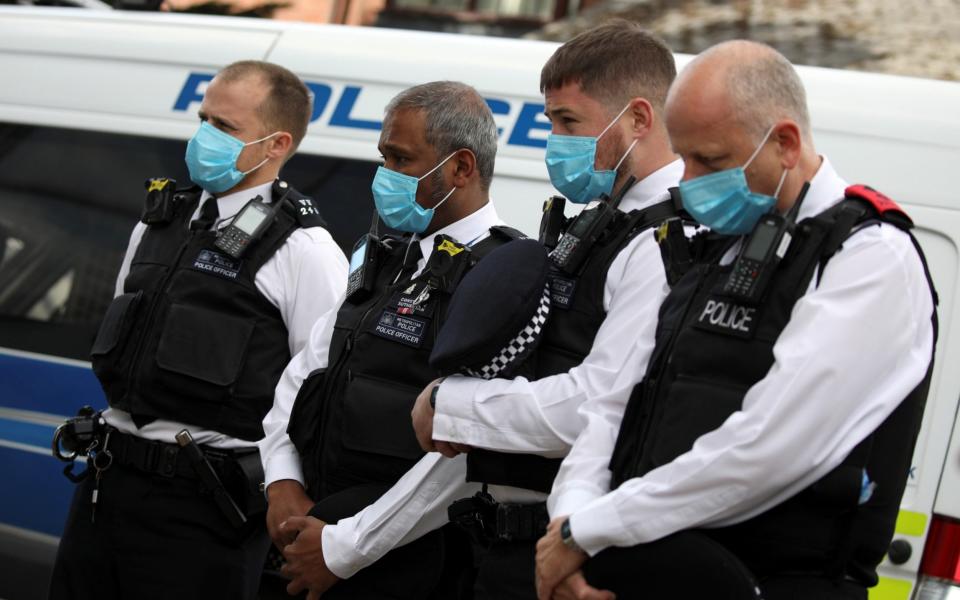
(287, 106)
(613, 62)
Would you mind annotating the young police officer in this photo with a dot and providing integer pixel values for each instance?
(604, 94)
(796, 355)
(357, 381)
(220, 286)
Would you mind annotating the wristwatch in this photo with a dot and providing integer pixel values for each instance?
(433, 394)
(566, 536)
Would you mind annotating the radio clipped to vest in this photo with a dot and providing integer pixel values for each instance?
(248, 225)
(574, 246)
(364, 261)
(761, 253)
(161, 203)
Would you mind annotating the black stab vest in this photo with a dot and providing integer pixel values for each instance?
(351, 421)
(710, 350)
(191, 339)
(576, 315)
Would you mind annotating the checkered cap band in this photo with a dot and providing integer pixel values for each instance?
(519, 347)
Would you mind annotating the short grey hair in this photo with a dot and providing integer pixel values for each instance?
(765, 89)
(456, 117)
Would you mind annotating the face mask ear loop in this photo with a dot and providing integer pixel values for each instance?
(625, 154)
(783, 178)
(440, 164)
(450, 193)
(261, 139)
(615, 119)
(262, 162)
(762, 142)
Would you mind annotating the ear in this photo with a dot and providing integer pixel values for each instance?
(279, 146)
(789, 141)
(643, 117)
(465, 167)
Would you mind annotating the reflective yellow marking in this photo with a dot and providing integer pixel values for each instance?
(157, 185)
(890, 589)
(449, 247)
(911, 523)
(662, 231)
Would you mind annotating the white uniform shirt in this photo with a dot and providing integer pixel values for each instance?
(856, 345)
(304, 279)
(518, 415)
(279, 455)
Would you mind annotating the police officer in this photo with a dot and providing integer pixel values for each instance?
(774, 428)
(196, 340)
(348, 396)
(604, 93)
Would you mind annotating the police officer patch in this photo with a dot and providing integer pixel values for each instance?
(406, 329)
(561, 290)
(722, 315)
(215, 263)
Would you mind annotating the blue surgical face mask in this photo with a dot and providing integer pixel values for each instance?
(723, 201)
(570, 161)
(395, 195)
(212, 158)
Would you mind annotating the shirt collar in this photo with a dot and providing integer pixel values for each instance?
(467, 230)
(231, 204)
(653, 188)
(826, 189)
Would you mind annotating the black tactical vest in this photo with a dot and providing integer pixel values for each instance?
(576, 314)
(351, 422)
(191, 339)
(710, 350)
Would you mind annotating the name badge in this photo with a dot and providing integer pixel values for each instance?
(722, 315)
(406, 329)
(218, 264)
(561, 291)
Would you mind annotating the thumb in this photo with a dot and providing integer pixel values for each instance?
(583, 591)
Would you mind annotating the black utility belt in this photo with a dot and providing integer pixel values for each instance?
(488, 521)
(167, 460)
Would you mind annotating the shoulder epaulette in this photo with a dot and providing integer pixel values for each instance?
(887, 210)
(302, 208)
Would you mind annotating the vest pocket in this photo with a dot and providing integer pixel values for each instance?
(204, 344)
(377, 418)
(116, 323)
(695, 407)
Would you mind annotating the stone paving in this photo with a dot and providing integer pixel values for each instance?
(919, 38)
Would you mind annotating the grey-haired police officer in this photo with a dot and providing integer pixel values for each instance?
(347, 398)
(220, 286)
(604, 94)
(767, 448)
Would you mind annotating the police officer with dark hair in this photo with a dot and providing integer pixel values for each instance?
(220, 286)
(767, 448)
(339, 433)
(604, 93)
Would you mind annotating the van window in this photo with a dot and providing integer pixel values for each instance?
(68, 201)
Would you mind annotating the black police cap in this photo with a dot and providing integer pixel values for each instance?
(496, 316)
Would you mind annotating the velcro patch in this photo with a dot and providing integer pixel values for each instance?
(406, 329)
(561, 290)
(215, 263)
(722, 315)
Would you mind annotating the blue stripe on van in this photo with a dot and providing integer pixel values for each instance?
(36, 494)
(47, 387)
(31, 434)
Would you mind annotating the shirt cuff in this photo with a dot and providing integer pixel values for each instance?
(282, 465)
(339, 552)
(453, 413)
(570, 499)
(598, 526)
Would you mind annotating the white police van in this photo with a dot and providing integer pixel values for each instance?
(93, 102)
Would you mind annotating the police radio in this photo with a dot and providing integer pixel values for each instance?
(587, 227)
(363, 264)
(247, 226)
(761, 253)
